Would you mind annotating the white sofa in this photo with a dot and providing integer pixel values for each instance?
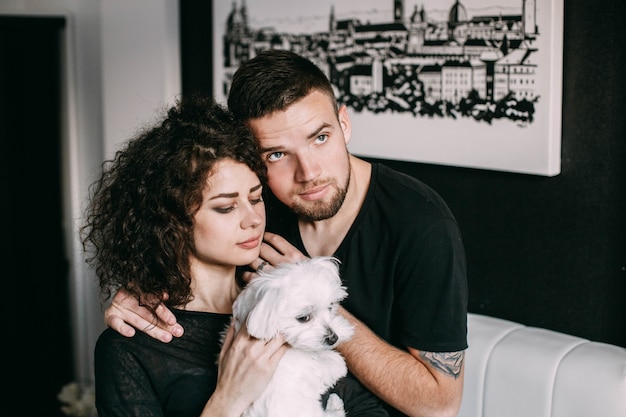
(512, 370)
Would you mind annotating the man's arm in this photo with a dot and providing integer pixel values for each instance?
(124, 315)
(416, 383)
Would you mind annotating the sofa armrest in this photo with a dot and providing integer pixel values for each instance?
(513, 370)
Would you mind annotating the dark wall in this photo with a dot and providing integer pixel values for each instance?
(547, 252)
(35, 305)
(551, 252)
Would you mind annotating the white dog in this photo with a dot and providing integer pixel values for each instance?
(298, 300)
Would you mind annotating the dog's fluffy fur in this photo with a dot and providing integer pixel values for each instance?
(298, 300)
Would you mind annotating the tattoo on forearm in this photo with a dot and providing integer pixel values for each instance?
(447, 362)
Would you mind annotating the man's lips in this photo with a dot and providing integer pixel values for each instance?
(314, 193)
(250, 243)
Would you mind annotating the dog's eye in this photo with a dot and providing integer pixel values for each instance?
(303, 319)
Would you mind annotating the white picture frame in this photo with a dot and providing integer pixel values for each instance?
(475, 83)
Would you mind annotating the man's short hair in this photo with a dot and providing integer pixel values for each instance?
(272, 81)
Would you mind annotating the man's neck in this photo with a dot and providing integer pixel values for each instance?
(323, 237)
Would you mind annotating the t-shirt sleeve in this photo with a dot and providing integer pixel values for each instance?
(358, 401)
(431, 287)
(123, 388)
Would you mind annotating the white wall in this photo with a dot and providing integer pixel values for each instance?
(141, 64)
(122, 64)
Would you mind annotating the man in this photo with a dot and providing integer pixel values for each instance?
(402, 258)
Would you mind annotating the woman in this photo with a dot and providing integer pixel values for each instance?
(175, 212)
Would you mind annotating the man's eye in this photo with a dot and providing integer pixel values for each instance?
(304, 318)
(275, 156)
(321, 139)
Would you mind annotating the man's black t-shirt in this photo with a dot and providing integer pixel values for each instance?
(402, 261)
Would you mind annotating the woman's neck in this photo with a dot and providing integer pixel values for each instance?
(214, 289)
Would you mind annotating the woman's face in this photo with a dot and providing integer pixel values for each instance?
(229, 225)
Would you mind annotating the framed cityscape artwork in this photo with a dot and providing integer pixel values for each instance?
(473, 83)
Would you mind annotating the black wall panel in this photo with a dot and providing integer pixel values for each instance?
(548, 252)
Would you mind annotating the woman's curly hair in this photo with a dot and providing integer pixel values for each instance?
(138, 230)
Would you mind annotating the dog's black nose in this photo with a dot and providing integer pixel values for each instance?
(331, 338)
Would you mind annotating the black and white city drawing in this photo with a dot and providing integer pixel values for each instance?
(441, 69)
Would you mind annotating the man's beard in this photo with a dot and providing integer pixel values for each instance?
(322, 210)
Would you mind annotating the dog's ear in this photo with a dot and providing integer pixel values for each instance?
(329, 263)
(328, 268)
(257, 306)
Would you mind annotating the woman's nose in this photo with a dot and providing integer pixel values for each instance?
(253, 218)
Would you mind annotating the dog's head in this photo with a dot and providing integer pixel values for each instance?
(298, 300)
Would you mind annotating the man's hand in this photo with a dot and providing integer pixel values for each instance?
(124, 315)
(275, 250)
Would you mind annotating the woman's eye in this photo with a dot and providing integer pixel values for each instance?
(275, 156)
(255, 201)
(303, 319)
(224, 210)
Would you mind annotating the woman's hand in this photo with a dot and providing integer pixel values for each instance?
(246, 366)
(124, 315)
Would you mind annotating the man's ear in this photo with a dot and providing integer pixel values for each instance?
(344, 122)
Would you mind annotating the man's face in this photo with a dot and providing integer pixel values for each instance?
(305, 150)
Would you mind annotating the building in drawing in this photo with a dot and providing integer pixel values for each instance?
(410, 61)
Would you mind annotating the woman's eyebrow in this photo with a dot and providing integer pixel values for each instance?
(235, 194)
(224, 195)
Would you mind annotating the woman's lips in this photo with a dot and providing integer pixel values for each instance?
(250, 243)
